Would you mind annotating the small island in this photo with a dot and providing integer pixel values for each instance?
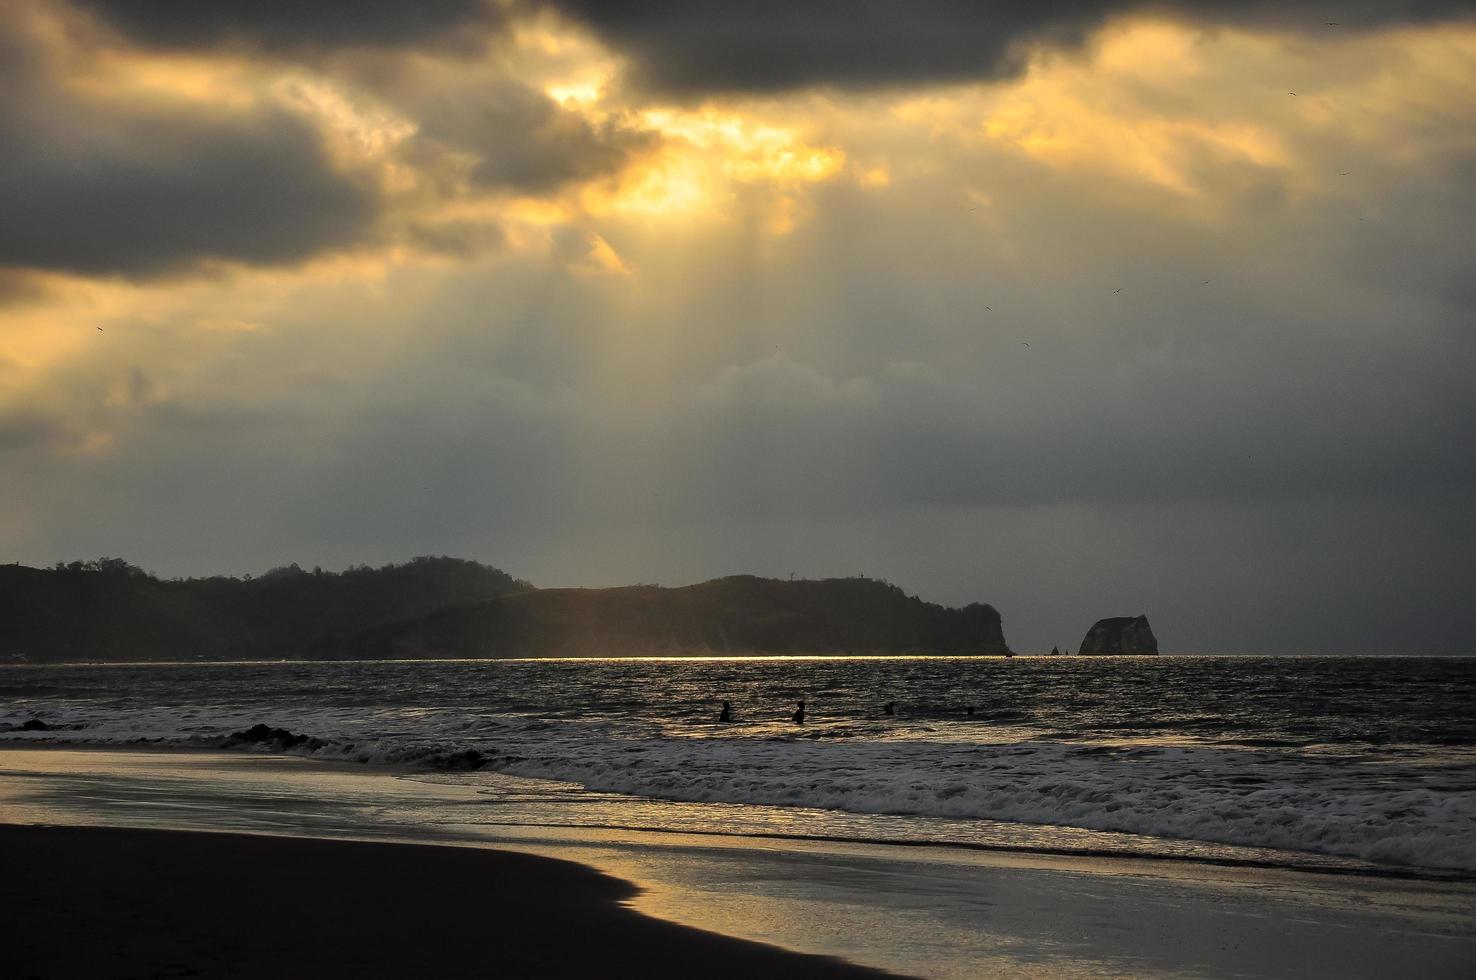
(1120, 635)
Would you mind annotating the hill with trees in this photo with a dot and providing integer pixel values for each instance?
(738, 615)
(110, 611)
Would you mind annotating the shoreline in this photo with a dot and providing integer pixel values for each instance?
(1376, 872)
(944, 912)
(1295, 862)
(1299, 863)
(107, 901)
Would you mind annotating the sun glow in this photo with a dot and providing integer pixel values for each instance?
(707, 157)
(748, 150)
(214, 83)
(1109, 113)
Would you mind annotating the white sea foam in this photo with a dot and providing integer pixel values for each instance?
(1416, 814)
(1232, 797)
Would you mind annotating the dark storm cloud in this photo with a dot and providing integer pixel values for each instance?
(96, 186)
(293, 24)
(697, 46)
(146, 194)
(108, 187)
(774, 46)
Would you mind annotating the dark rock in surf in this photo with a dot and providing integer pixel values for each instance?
(34, 725)
(1125, 635)
(275, 738)
(468, 760)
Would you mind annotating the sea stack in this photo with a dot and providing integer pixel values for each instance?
(1129, 635)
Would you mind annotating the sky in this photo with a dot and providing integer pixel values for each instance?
(1080, 309)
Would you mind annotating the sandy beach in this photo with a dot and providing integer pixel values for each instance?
(109, 902)
(315, 869)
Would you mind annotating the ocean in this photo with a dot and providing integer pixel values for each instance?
(1340, 763)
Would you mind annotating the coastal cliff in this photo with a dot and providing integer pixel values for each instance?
(738, 615)
(110, 611)
(1126, 635)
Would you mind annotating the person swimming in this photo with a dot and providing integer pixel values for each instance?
(799, 716)
(889, 709)
(727, 713)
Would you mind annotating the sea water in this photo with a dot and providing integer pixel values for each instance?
(1356, 762)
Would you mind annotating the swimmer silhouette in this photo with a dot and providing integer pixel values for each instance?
(890, 708)
(799, 716)
(727, 713)
(970, 709)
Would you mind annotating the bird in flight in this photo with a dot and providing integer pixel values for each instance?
(1291, 93)
(989, 308)
(99, 329)
(1206, 282)
(1023, 342)
(1332, 23)
(1117, 290)
(1344, 173)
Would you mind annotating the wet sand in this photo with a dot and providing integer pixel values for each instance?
(108, 902)
(940, 912)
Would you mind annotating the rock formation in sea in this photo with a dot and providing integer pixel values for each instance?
(1120, 635)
